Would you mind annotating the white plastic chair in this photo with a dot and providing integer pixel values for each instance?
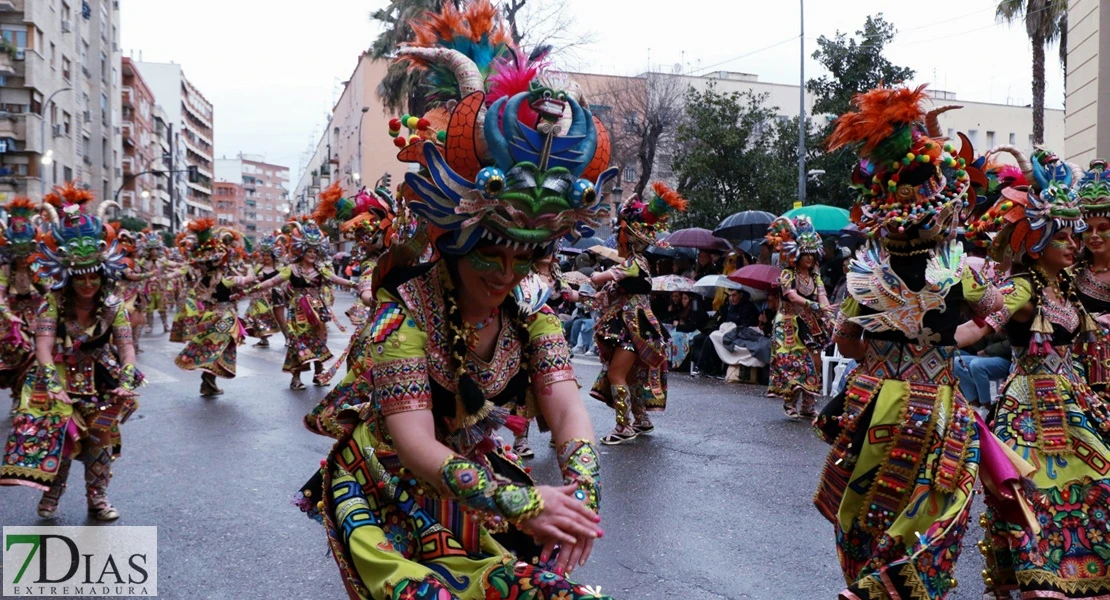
(828, 364)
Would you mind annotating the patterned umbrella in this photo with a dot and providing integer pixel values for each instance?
(672, 283)
(696, 237)
(605, 252)
(760, 277)
(575, 278)
(744, 225)
(826, 219)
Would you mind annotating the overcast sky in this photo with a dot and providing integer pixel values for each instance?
(273, 68)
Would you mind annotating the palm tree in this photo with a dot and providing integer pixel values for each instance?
(1045, 22)
(397, 88)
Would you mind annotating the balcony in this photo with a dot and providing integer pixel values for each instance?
(126, 130)
(7, 6)
(128, 165)
(7, 65)
(126, 96)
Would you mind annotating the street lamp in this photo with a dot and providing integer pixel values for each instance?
(48, 154)
(356, 177)
(365, 109)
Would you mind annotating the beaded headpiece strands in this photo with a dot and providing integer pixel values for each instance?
(794, 237)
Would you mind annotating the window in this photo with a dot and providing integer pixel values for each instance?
(1013, 139)
(990, 139)
(951, 133)
(15, 35)
(66, 68)
(53, 56)
(104, 154)
(67, 122)
(104, 67)
(973, 137)
(630, 173)
(67, 174)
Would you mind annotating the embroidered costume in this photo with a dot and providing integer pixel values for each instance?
(494, 172)
(1094, 293)
(21, 294)
(897, 485)
(218, 332)
(628, 323)
(1047, 414)
(800, 332)
(74, 406)
(260, 321)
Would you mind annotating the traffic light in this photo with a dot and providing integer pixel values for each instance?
(193, 175)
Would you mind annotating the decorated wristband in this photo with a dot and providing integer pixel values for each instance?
(471, 485)
(579, 464)
(130, 378)
(50, 376)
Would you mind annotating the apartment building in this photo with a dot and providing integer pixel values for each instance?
(190, 116)
(230, 199)
(265, 192)
(1088, 81)
(142, 151)
(59, 95)
(355, 149)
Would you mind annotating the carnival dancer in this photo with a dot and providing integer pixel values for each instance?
(214, 344)
(455, 348)
(1092, 277)
(21, 294)
(369, 220)
(260, 320)
(631, 342)
(82, 387)
(897, 485)
(800, 331)
(189, 309)
(1047, 414)
(308, 314)
(151, 258)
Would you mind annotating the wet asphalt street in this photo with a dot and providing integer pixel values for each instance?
(715, 504)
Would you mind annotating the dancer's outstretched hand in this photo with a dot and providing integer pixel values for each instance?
(564, 519)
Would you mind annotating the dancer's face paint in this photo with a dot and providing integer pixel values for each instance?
(1061, 249)
(86, 285)
(1097, 237)
(488, 274)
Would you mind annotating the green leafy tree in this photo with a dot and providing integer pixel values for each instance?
(132, 224)
(724, 158)
(854, 66)
(1046, 21)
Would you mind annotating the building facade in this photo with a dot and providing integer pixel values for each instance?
(142, 151)
(59, 95)
(190, 115)
(229, 199)
(1088, 81)
(355, 149)
(265, 202)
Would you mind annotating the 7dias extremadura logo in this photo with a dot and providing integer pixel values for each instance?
(80, 561)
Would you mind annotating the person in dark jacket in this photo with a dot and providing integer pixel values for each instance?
(739, 310)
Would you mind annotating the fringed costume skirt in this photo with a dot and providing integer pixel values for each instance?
(307, 317)
(796, 340)
(632, 326)
(213, 348)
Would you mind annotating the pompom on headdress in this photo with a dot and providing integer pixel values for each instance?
(908, 175)
(794, 237)
(17, 231)
(367, 218)
(643, 221)
(524, 166)
(1026, 217)
(75, 242)
(1094, 192)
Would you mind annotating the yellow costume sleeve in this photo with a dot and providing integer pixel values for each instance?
(46, 322)
(400, 363)
(786, 280)
(979, 293)
(549, 354)
(1016, 293)
(845, 328)
(629, 268)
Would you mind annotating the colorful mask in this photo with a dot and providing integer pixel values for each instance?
(793, 238)
(17, 236)
(76, 243)
(367, 218)
(642, 222)
(1094, 192)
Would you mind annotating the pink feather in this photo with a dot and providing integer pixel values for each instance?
(512, 74)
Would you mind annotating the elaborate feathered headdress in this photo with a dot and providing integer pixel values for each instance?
(205, 241)
(74, 242)
(149, 239)
(525, 169)
(908, 176)
(1026, 217)
(17, 232)
(304, 234)
(1094, 192)
(366, 218)
(267, 244)
(794, 237)
(643, 221)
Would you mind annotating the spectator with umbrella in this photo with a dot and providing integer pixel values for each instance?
(739, 311)
(799, 332)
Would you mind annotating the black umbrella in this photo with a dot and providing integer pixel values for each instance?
(744, 225)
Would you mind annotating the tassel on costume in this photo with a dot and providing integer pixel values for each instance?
(1041, 341)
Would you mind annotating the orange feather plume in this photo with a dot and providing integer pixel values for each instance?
(671, 197)
(878, 113)
(326, 209)
(21, 202)
(203, 224)
(68, 193)
(478, 19)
